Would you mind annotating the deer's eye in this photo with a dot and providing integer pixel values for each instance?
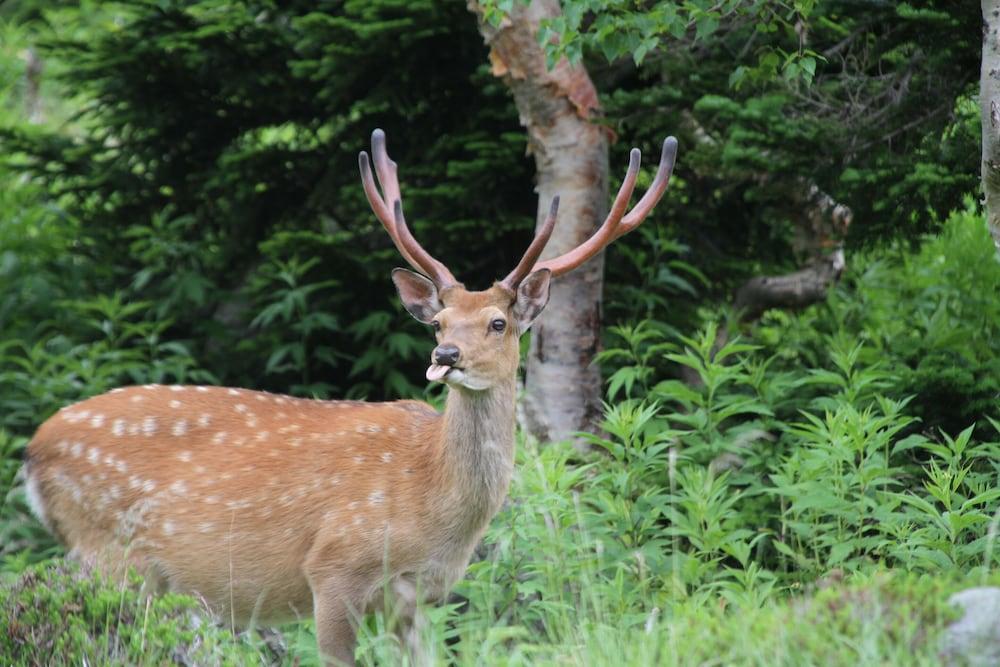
(436, 325)
(498, 325)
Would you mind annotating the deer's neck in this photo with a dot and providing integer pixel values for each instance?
(477, 448)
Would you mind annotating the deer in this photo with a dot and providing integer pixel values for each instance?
(274, 508)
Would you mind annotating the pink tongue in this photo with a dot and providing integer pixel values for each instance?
(436, 372)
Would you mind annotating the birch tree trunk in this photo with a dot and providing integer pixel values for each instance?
(571, 153)
(989, 101)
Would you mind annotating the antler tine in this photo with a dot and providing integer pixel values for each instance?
(615, 225)
(527, 262)
(606, 233)
(380, 208)
(434, 269)
(668, 157)
(411, 251)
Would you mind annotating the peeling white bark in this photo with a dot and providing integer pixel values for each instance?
(571, 153)
(989, 101)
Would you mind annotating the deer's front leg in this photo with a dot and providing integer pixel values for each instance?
(336, 615)
(408, 621)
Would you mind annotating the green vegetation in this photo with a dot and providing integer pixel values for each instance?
(805, 489)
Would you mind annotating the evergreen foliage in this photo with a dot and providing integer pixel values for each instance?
(804, 490)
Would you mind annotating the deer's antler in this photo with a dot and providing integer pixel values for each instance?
(618, 223)
(388, 208)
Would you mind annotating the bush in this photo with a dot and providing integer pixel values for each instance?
(58, 614)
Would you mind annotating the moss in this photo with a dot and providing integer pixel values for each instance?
(56, 613)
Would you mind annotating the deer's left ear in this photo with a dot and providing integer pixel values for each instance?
(532, 295)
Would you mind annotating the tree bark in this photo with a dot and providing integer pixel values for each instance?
(989, 101)
(821, 224)
(563, 385)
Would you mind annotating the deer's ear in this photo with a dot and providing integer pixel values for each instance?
(532, 295)
(419, 294)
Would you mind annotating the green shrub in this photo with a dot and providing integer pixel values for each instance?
(58, 614)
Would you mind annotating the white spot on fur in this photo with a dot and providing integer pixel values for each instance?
(180, 427)
(118, 427)
(219, 438)
(133, 429)
(115, 491)
(376, 497)
(149, 425)
(358, 520)
(295, 442)
(62, 446)
(204, 419)
(121, 467)
(149, 486)
(200, 470)
(359, 459)
(97, 421)
(279, 400)
(205, 527)
(251, 422)
(386, 457)
(177, 387)
(134, 482)
(168, 528)
(201, 389)
(392, 430)
(211, 500)
(117, 390)
(76, 417)
(137, 398)
(185, 456)
(76, 449)
(262, 436)
(353, 505)
(178, 487)
(233, 392)
(240, 407)
(240, 441)
(175, 403)
(261, 397)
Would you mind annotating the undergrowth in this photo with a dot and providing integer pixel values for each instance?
(801, 492)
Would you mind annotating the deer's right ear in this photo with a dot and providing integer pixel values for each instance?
(418, 294)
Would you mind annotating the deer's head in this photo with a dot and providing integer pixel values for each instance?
(477, 332)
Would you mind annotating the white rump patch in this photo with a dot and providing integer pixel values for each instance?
(35, 502)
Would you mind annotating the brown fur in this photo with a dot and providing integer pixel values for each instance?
(273, 507)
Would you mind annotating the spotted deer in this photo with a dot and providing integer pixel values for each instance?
(272, 507)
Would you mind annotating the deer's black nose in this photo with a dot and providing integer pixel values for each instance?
(446, 355)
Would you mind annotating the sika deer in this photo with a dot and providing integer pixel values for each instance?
(273, 507)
